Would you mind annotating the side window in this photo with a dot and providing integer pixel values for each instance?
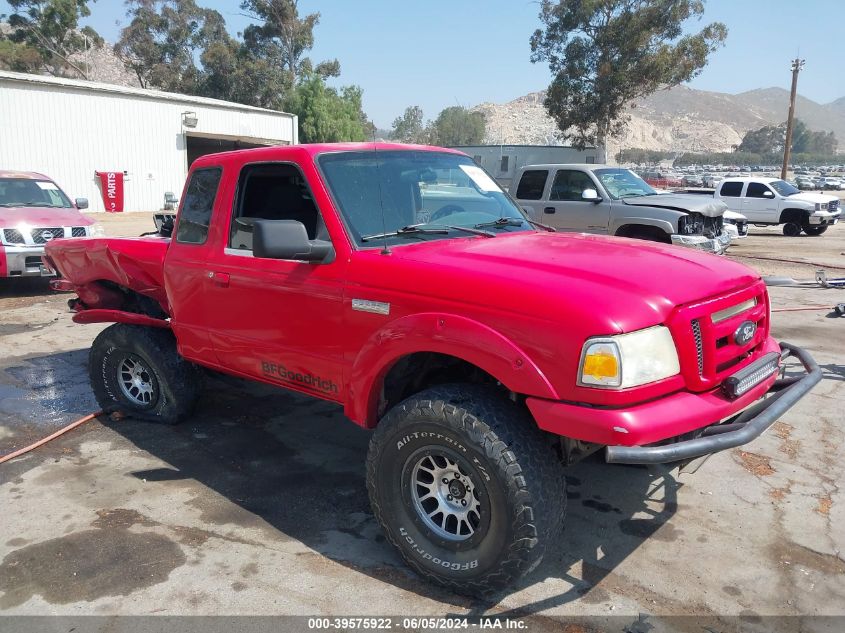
(756, 190)
(731, 189)
(272, 191)
(531, 184)
(569, 185)
(195, 214)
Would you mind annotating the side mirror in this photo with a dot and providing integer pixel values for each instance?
(81, 203)
(288, 239)
(768, 194)
(591, 195)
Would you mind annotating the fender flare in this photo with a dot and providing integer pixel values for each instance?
(441, 333)
(665, 225)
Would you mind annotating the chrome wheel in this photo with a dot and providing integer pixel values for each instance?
(445, 497)
(136, 381)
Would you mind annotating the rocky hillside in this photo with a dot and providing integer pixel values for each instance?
(680, 119)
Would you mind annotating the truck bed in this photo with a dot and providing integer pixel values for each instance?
(135, 263)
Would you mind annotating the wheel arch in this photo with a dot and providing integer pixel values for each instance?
(441, 340)
(794, 215)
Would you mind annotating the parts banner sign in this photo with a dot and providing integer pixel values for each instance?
(111, 184)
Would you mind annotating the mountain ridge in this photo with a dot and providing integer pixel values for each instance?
(679, 119)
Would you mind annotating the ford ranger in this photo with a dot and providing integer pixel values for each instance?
(33, 211)
(484, 351)
(613, 201)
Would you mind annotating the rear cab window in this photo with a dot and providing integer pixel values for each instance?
(531, 184)
(197, 205)
(731, 189)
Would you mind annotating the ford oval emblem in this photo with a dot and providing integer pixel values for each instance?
(745, 332)
(47, 235)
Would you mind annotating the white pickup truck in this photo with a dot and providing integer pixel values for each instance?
(771, 201)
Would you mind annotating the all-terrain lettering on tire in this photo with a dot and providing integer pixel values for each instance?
(465, 487)
(137, 370)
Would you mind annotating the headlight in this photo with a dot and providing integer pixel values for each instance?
(96, 230)
(628, 360)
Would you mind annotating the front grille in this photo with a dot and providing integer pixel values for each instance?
(77, 231)
(713, 226)
(39, 236)
(13, 236)
(712, 341)
(699, 345)
(33, 262)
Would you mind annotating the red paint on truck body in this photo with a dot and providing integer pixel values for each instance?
(519, 306)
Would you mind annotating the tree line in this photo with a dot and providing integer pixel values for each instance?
(180, 46)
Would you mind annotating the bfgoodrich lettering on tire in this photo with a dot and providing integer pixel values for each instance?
(466, 487)
(137, 370)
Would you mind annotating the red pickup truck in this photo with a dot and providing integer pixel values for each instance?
(485, 351)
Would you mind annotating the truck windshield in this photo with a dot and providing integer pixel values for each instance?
(25, 192)
(623, 183)
(380, 193)
(784, 188)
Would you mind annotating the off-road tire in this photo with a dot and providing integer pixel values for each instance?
(175, 383)
(814, 229)
(792, 229)
(514, 466)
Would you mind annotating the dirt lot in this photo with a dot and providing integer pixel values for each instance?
(257, 505)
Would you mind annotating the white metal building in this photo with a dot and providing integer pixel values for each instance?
(502, 161)
(69, 129)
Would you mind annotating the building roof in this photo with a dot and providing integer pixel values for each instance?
(142, 93)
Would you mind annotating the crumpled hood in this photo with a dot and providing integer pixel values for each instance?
(692, 203)
(42, 217)
(618, 284)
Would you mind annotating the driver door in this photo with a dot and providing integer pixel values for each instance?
(566, 210)
(277, 320)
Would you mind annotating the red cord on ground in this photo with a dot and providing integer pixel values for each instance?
(43, 441)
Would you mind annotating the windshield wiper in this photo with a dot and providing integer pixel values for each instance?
(426, 228)
(515, 222)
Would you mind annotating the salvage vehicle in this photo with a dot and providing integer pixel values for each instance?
(771, 201)
(614, 201)
(484, 351)
(33, 211)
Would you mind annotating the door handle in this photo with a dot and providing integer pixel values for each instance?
(549, 210)
(219, 279)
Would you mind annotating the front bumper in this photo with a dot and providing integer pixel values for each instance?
(713, 421)
(825, 218)
(24, 261)
(716, 245)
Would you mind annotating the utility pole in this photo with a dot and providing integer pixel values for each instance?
(797, 65)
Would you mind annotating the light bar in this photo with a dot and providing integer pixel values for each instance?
(748, 378)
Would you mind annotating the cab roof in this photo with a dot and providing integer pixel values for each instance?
(315, 149)
(23, 175)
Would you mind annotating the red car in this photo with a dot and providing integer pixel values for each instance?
(485, 351)
(34, 211)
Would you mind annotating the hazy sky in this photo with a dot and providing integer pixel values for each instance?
(439, 53)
